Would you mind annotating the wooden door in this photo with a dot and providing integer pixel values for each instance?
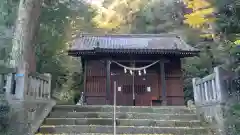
(142, 84)
(124, 82)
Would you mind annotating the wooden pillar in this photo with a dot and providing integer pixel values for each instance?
(84, 77)
(163, 83)
(133, 85)
(108, 81)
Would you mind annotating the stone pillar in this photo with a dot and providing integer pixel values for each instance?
(206, 91)
(220, 90)
(197, 97)
(48, 88)
(9, 84)
(1, 83)
(42, 89)
(22, 81)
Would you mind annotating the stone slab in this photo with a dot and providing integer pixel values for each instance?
(162, 110)
(122, 129)
(125, 115)
(122, 122)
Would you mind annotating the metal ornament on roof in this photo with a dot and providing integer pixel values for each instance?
(139, 69)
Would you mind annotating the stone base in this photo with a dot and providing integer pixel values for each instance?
(164, 103)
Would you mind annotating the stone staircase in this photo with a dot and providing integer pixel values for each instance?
(98, 120)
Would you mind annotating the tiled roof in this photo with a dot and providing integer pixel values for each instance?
(88, 42)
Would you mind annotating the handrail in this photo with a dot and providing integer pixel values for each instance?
(39, 76)
(4, 70)
(206, 79)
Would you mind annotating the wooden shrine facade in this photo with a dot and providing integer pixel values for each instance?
(146, 68)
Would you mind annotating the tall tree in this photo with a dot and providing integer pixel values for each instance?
(27, 20)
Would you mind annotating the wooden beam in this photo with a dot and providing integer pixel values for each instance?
(4, 70)
(108, 81)
(162, 60)
(163, 83)
(39, 76)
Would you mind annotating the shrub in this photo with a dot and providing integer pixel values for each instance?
(4, 114)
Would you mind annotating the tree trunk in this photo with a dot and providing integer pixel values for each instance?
(27, 20)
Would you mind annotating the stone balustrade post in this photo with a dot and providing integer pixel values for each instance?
(196, 91)
(1, 82)
(42, 89)
(9, 84)
(48, 88)
(220, 91)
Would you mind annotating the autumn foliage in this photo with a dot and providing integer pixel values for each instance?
(201, 16)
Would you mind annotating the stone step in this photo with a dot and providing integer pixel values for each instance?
(117, 134)
(126, 115)
(122, 122)
(76, 129)
(145, 109)
(110, 106)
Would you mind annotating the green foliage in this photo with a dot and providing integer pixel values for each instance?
(8, 10)
(4, 111)
(140, 16)
(158, 17)
(7, 19)
(117, 16)
(59, 24)
(61, 21)
(220, 51)
(233, 120)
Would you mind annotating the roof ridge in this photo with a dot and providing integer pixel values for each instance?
(129, 35)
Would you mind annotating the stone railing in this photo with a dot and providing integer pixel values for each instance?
(211, 97)
(6, 76)
(39, 86)
(210, 89)
(27, 113)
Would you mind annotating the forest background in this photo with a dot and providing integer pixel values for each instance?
(213, 26)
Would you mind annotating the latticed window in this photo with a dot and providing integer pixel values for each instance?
(139, 89)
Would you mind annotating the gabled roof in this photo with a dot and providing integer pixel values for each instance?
(130, 43)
